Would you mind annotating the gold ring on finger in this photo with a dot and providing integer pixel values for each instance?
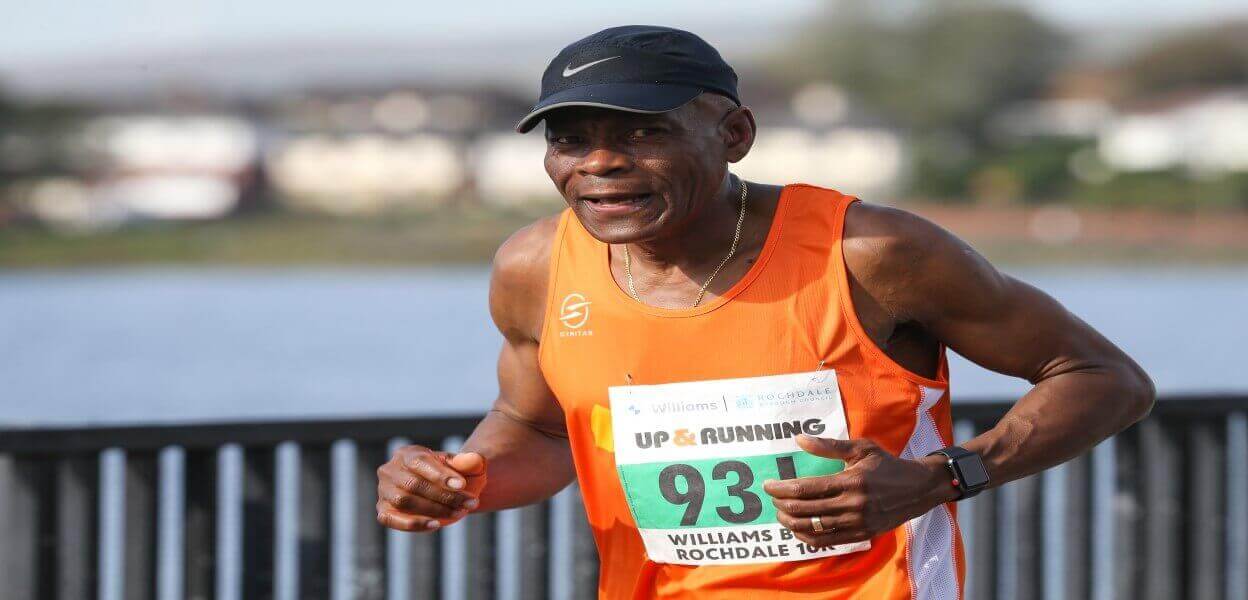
(817, 524)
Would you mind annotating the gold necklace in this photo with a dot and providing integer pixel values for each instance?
(736, 236)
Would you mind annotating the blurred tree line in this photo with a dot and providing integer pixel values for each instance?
(941, 69)
(1204, 57)
(35, 141)
(29, 133)
(935, 68)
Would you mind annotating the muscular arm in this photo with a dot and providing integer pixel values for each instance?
(909, 273)
(914, 287)
(519, 453)
(523, 437)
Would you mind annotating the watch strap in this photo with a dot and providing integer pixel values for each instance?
(952, 455)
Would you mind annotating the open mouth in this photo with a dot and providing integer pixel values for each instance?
(617, 202)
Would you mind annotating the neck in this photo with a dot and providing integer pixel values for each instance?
(704, 239)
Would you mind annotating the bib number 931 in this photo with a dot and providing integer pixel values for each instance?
(695, 489)
(706, 493)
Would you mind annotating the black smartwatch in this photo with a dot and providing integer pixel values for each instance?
(969, 474)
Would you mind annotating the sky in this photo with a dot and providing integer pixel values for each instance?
(118, 49)
(53, 30)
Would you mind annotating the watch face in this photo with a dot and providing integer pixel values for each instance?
(972, 470)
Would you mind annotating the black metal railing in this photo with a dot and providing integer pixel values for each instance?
(285, 510)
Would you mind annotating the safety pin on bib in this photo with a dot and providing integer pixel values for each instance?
(820, 375)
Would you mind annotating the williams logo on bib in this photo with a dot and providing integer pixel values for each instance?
(692, 458)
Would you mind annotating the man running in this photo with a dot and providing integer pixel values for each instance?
(748, 381)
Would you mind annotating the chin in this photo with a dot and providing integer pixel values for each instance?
(618, 229)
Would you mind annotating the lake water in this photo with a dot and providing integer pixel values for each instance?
(131, 346)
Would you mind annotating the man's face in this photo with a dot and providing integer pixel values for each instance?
(631, 177)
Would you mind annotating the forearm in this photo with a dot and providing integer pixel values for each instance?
(1062, 417)
(524, 464)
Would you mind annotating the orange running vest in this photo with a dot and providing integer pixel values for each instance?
(789, 313)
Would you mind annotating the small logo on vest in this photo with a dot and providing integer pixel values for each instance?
(574, 313)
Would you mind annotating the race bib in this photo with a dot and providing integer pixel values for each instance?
(692, 458)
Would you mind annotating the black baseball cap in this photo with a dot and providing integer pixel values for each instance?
(634, 68)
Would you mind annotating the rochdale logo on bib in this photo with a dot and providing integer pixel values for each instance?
(692, 458)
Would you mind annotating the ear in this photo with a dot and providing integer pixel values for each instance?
(738, 130)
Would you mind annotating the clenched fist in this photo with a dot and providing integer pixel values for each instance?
(421, 490)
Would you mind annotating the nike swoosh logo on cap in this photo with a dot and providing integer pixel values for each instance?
(568, 71)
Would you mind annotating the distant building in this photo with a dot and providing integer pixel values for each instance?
(365, 173)
(1203, 132)
(1078, 103)
(150, 167)
(1065, 117)
(508, 169)
(819, 136)
(365, 152)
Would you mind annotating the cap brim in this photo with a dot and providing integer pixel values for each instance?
(648, 98)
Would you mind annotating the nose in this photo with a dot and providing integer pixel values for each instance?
(604, 162)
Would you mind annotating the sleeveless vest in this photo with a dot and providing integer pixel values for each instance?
(790, 313)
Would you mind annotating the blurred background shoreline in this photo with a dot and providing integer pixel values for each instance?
(1039, 131)
(1007, 235)
(291, 213)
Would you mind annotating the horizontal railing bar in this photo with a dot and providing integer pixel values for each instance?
(211, 435)
(208, 435)
(1178, 405)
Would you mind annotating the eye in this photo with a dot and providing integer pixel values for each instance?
(643, 132)
(564, 140)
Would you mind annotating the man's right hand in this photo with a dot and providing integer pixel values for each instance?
(422, 490)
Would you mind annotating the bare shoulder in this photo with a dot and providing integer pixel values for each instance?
(519, 277)
(908, 263)
(882, 235)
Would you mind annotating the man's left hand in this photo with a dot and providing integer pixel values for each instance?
(875, 493)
